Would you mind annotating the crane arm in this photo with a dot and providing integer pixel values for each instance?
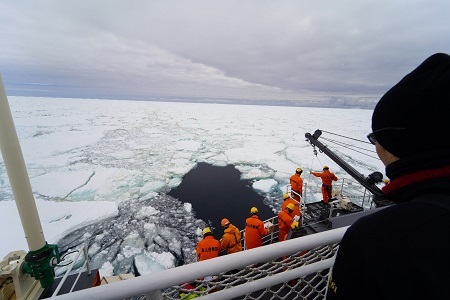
(368, 182)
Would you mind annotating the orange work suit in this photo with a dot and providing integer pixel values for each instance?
(296, 185)
(254, 231)
(208, 248)
(327, 177)
(296, 211)
(284, 225)
(231, 239)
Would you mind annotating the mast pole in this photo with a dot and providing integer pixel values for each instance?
(42, 257)
(18, 176)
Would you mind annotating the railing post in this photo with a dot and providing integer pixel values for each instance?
(86, 258)
(154, 295)
(364, 198)
(305, 193)
(61, 283)
(273, 229)
(329, 278)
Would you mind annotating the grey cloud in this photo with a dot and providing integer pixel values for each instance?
(267, 49)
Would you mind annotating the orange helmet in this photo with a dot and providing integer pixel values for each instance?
(224, 222)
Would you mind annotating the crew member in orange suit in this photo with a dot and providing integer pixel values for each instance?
(208, 247)
(254, 230)
(296, 184)
(327, 178)
(231, 239)
(286, 200)
(285, 222)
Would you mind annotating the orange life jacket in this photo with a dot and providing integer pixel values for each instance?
(326, 176)
(296, 211)
(254, 231)
(231, 239)
(296, 183)
(208, 248)
(284, 224)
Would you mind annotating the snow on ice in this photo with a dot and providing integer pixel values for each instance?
(100, 170)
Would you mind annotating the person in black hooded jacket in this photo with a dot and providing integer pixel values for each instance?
(403, 251)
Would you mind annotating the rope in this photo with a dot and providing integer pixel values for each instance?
(63, 257)
(312, 161)
(320, 161)
(329, 177)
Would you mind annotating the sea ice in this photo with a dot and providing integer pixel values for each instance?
(265, 185)
(106, 169)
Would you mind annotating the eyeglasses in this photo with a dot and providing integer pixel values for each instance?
(371, 136)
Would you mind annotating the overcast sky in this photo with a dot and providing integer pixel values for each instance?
(254, 49)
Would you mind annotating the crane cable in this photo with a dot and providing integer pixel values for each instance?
(346, 137)
(310, 169)
(350, 138)
(349, 145)
(344, 144)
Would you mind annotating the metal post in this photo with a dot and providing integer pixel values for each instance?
(86, 257)
(154, 295)
(305, 193)
(364, 199)
(66, 274)
(329, 278)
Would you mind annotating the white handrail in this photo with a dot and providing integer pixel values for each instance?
(267, 239)
(83, 249)
(260, 284)
(187, 273)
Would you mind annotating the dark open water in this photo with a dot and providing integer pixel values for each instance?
(218, 192)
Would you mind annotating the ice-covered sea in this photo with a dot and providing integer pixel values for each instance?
(100, 170)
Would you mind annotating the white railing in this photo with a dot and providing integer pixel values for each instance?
(355, 191)
(350, 188)
(82, 249)
(267, 239)
(276, 264)
(282, 261)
